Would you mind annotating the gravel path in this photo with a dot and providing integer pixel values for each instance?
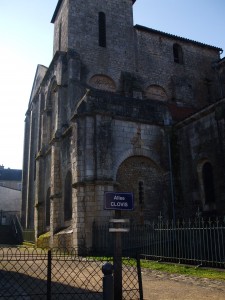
(163, 286)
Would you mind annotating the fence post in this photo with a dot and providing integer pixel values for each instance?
(139, 277)
(49, 275)
(108, 282)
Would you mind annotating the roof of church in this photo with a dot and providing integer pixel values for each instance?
(147, 29)
(10, 175)
(58, 7)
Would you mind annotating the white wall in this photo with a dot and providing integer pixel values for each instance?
(10, 200)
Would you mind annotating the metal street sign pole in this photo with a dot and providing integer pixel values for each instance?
(117, 261)
(118, 202)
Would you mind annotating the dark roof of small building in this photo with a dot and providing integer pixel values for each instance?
(151, 30)
(10, 175)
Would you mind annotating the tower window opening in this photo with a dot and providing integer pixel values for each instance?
(102, 29)
(60, 35)
(208, 181)
(177, 54)
(141, 192)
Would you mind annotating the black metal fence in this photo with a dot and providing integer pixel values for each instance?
(12, 219)
(17, 229)
(60, 274)
(10, 222)
(197, 242)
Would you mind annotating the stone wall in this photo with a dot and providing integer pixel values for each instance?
(109, 141)
(200, 140)
(183, 82)
(99, 113)
(138, 57)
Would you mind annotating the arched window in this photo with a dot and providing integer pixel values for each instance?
(102, 82)
(47, 208)
(102, 29)
(156, 92)
(68, 197)
(177, 54)
(208, 183)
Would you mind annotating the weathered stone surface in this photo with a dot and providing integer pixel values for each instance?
(108, 114)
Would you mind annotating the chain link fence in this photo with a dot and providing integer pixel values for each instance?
(27, 273)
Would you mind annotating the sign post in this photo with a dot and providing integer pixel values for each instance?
(118, 202)
(117, 261)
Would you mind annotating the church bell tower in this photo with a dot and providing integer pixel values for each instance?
(99, 31)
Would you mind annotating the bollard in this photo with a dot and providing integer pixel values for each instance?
(108, 282)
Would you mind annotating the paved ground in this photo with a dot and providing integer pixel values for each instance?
(162, 286)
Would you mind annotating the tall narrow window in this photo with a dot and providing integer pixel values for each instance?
(208, 181)
(102, 29)
(47, 208)
(52, 111)
(141, 192)
(60, 35)
(177, 54)
(68, 197)
(208, 84)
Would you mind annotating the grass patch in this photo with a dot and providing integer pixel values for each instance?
(43, 240)
(28, 244)
(216, 274)
(184, 270)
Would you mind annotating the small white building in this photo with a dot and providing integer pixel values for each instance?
(10, 189)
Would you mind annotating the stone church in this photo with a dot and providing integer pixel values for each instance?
(121, 108)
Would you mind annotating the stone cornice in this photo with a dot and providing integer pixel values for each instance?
(117, 106)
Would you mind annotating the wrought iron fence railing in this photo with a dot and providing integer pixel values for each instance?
(12, 219)
(11, 230)
(195, 242)
(17, 229)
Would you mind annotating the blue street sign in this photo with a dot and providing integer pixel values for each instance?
(119, 201)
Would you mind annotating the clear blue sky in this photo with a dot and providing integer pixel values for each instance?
(27, 39)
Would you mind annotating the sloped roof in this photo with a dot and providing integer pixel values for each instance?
(39, 75)
(10, 175)
(151, 30)
(56, 11)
